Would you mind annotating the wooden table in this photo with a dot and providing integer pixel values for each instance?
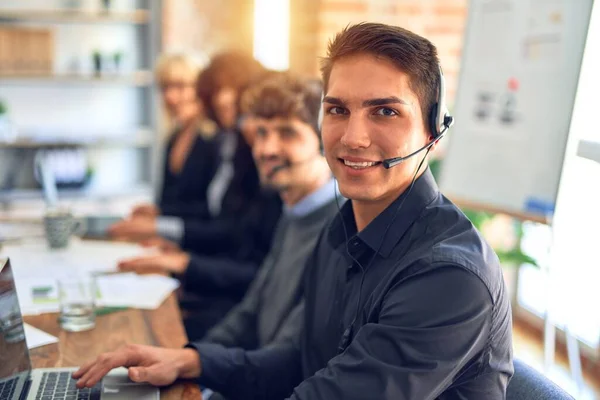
(160, 327)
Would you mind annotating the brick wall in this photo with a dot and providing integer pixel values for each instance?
(441, 21)
(208, 26)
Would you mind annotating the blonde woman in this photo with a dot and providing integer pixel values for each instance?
(189, 155)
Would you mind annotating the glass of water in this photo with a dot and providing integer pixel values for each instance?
(77, 296)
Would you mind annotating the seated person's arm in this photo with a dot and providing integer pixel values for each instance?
(209, 237)
(239, 327)
(187, 210)
(263, 374)
(218, 273)
(417, 348)
(155, 365)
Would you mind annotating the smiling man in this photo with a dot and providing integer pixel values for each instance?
(403, 297)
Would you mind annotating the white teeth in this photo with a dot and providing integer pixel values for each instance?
(357, 165)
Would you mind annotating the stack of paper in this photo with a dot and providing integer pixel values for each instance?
(135, 291)
(36, 269)
(36, 260)
(38, 296)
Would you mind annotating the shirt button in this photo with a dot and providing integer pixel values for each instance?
(355, 243)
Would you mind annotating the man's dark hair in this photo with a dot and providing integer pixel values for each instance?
(285, 95)
(409, 52)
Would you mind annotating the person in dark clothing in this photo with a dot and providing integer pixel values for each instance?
(188, 148)
(227, 174)
(403, 297)
(281, 97)
(231, 232)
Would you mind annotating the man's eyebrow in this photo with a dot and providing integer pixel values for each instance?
(285, 128)
(369, 103)
(385, 100)
(333, 100)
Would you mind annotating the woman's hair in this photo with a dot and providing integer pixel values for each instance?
(177, 67)
(230, 69)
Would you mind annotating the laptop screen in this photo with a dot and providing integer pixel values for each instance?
(14, 356)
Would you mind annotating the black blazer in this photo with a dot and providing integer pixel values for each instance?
(184, 194)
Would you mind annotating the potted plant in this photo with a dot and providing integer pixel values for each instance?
(117, 59)
(7, 130)
(97, 60)
(504, 235)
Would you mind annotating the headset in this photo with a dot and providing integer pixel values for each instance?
(440, 121)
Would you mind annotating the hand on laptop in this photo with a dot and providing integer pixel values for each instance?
(147, 364)
(133, 228)
(161, 244)
(145, 210)
(174, 262)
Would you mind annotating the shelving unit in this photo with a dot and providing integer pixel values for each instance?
(99, 143)
(69, 16)
(137, 78)
(114, 113)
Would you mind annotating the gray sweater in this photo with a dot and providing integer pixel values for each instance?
(271, 311)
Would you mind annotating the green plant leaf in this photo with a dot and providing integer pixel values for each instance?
(515, 257)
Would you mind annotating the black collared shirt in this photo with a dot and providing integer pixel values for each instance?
(433, 319)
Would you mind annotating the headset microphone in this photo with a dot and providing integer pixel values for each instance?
(392, 162)
(440, 121)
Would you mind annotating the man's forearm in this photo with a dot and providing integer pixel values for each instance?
(261, 374)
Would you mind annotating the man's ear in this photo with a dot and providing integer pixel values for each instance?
(433, 146)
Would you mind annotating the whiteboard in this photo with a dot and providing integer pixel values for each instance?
(519, 74)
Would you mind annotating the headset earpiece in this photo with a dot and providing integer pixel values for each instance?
(439, 117)
(433, 121)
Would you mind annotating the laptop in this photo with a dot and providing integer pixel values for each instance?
(19, 381)
(96, 226)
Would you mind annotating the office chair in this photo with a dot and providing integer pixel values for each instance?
(528, 384)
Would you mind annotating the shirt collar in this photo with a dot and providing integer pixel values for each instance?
(313, 201)
(424, 191)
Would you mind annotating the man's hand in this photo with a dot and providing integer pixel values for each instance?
(145, 210)
(175, 263)
(133, 228)
(154, 365)
(164, 245)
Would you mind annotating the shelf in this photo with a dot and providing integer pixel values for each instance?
(142, 139)
(589, 149)
(65, 16)
(139, 78)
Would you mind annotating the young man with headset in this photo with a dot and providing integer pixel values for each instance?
(403, 297)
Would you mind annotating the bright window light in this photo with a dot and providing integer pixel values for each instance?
(272, 33)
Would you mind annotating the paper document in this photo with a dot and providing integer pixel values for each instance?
(38, 296)
(35, 260)
(37, 338)
(135, 291)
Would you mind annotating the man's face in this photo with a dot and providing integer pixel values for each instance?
(281, 142)
(371, 114)
(179, 98)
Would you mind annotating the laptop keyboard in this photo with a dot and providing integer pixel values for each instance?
(60, 385)
(7, 389)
